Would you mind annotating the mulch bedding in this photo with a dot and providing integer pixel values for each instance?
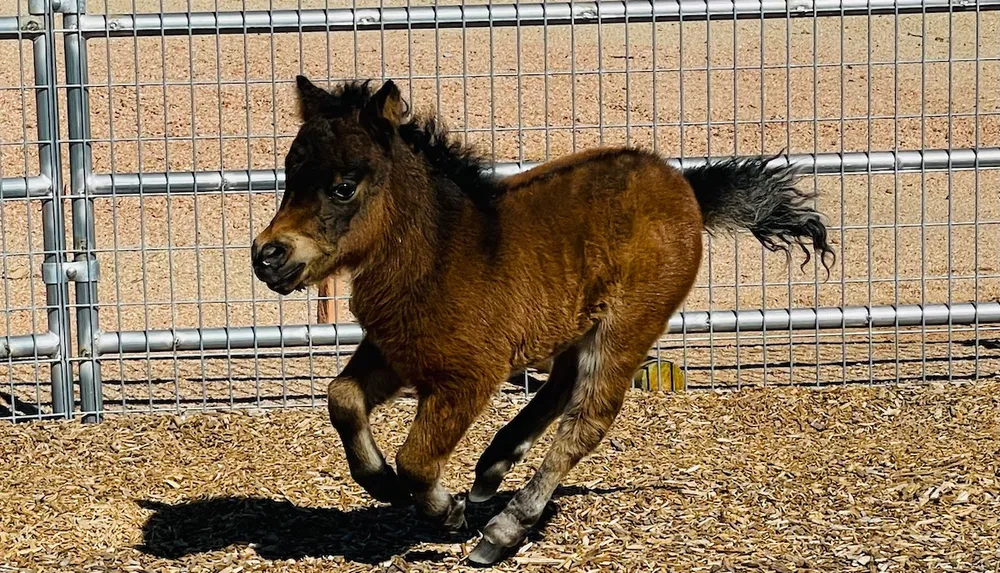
(868, 479)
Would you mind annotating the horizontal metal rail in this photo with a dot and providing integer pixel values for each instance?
(690, 322)
(228, 338)
(833, 317)
(29, 345)
(265, 180)
(187, 182)
(22, 187)
(860, 162)
(533, 14)
(19, 28)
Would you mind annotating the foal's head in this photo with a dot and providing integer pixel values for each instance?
(336, 174)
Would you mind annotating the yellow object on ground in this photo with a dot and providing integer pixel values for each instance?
(662, 375)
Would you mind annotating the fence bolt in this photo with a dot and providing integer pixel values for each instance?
(31, 26)
(86, 271)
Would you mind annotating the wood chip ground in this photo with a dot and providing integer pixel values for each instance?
(843, 479)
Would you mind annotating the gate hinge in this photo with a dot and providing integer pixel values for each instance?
(87, 271)
(37, 7)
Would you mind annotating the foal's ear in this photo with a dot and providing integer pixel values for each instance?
(384, 112)
(387, 104)
(312, 99)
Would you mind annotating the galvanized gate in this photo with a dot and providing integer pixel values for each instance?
(178, 358)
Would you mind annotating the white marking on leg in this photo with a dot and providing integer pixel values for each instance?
(520, 451)
(589, 361)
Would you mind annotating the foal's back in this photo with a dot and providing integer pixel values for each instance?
(576, 236)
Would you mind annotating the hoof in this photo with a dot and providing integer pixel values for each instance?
(455, 519)
(483, 489)
(488, 482)
(487, 553)
(502, 534)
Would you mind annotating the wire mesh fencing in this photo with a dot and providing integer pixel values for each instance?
(35, 329)
(152, 134)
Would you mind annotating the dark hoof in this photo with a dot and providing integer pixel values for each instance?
(488, 481)
(484, 488)
(455, 520)
(487, 553)
(452, 519)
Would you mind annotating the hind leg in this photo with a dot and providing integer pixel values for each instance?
(607, 358)
(514, 440)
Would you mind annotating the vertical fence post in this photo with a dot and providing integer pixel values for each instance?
(78, 119)
(53, 215)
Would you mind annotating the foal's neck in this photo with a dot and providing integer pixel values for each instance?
(397, 271)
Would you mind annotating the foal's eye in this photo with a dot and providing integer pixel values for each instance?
(344, 191)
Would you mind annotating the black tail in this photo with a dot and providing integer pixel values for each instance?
(748, 194)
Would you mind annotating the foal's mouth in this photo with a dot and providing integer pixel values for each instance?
(288, 281)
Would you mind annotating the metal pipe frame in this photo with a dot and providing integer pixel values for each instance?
(534, 14)
(78, 120)
(834, 318)
(194, 339)
(20, 28)
(268, 180)
(44, 345)
(32, 187)
(719, 321)
(84, 185)
(53, 217)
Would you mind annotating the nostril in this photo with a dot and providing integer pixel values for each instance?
(272, 255)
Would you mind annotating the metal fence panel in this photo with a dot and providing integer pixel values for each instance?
(177, 124)
(35, 333)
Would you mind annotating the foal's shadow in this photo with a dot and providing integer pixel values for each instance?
(283, 530)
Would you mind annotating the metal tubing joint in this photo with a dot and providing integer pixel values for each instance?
(81, 271)
(37, 7)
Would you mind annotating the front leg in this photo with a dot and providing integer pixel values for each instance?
(365, 382)
(442, 418)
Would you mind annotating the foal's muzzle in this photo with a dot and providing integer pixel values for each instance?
(272, 266)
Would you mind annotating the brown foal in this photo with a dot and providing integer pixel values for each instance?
(461, 279)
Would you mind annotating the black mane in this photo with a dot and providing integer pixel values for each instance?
(458, 162)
